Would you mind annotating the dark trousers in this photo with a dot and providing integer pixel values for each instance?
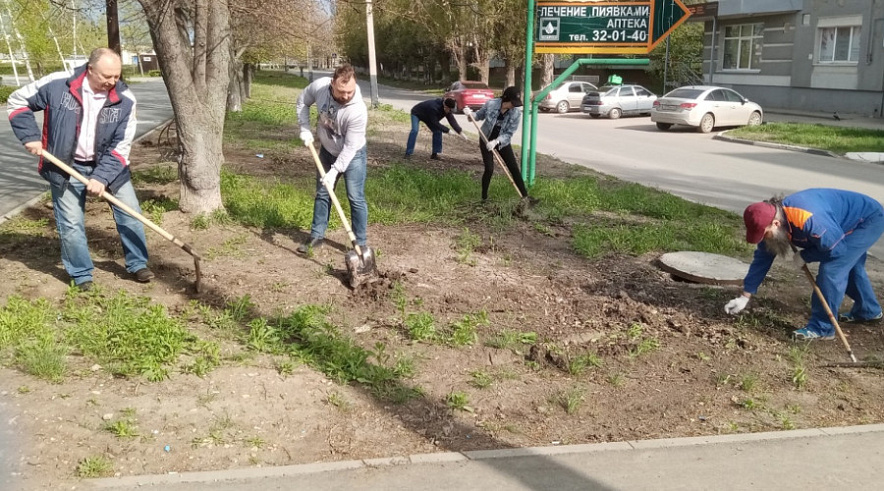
(509, 159)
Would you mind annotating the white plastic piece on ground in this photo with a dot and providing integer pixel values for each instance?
(704, 267)
(874, 157)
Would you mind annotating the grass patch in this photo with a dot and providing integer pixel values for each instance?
(95, 466)
(458, 401)
(569, 400)
(831, 138)
(511, 340)
(163, 173)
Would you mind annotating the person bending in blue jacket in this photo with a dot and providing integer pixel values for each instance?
(833, 227)
(89, 123)
(502, 116)
(431, 112)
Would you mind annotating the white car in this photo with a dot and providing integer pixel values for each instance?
(705, 107)
(566, 97)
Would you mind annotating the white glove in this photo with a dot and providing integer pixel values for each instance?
(736, 305)
(468, 112)
(330, 177)
(463, 136)
(797, 260)
(491, 144)
(306, 137)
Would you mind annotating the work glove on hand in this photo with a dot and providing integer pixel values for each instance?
(330, 177)
(306, 137)
(736, 305)
(492, 144)
(797, 260)
(468, 112)
(463, 136)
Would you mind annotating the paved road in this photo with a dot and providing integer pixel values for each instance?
(19, 181)
(837, 458)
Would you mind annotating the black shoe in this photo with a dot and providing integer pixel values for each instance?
(531, 201)
(85, 286)
(143, 275)
(407, 156)
(435, 156)
(311, 245)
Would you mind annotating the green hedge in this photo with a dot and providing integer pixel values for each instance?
(5, 90)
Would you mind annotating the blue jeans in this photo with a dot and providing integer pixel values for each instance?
(69, 206)
(412, 137)
(847, 274)
(354, 180)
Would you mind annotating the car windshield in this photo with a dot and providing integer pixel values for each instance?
(686, 93)
(474, 85)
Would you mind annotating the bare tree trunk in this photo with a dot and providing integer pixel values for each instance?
(549, 66)
(510, 74)
(198, 79)
(235, 90)
(248, 72)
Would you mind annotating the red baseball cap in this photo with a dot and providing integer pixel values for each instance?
(758, 216)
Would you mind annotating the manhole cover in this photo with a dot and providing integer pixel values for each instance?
(704, 267)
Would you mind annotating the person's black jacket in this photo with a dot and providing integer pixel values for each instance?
(431, 112)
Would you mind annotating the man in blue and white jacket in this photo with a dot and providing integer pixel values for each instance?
(88, 123)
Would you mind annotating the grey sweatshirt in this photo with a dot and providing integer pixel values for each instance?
(341, 129)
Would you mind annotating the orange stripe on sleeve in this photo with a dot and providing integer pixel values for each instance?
(797, 216)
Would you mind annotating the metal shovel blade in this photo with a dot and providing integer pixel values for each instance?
(360, 269)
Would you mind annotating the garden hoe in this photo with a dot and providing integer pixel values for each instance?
(141, 218)
(360, 262)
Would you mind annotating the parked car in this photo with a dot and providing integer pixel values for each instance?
(619, 100)
(705, 107)
(470, 94)
(566, 97)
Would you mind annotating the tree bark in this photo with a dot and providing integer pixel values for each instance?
(549, 66)
(510, 74)
(198, 79)
(235, 89)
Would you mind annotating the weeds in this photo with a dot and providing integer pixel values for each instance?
(570, 400)
(337, 400)
(465, 244)
(95, 466)
(580, 363)
(123, 428)
(799, 370)
(511, 340)
(458, 401)
(480, 379)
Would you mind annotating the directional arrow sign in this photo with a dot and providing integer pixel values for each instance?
(605, 26)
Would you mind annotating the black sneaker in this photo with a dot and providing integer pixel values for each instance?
(311, 245)
(143, 275)
(407, 156)
(85, 286)
(435, 156)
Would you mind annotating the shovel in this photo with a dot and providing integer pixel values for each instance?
(360, 261)
(138, 216)
(497, 157)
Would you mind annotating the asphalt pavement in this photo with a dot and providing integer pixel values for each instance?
(830, 459)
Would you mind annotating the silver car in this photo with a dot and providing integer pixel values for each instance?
(616, 101)
(566, 97)
(705, 107)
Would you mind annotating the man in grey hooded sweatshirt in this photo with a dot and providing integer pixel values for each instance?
(341, 125)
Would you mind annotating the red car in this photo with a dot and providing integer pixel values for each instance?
(469, 93)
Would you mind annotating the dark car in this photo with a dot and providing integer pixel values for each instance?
(618, 100)
(470, 94)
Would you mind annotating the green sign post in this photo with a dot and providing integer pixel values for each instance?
(609, 27)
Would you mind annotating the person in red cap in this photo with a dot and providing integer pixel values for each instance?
(833, 227)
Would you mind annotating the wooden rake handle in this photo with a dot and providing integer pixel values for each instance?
(334, 199)
(119, 204)
(497, 157)
(832, 318)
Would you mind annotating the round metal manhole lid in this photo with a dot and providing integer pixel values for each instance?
(704, 267)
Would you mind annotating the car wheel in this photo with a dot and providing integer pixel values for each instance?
(707, 122)
(755, 119)
(663, 126)
(614, 113)
(595, 116)
(563, 107)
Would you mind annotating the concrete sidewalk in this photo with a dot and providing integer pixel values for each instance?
(832, 458)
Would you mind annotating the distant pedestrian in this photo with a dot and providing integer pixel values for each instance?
(502, 116)
(88, 123)
(431, 112)
(833, 227)
(341, 126)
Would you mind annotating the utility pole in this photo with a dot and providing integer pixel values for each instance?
(113, 27)
(372, 61)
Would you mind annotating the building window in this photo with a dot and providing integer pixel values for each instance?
(742, 46)
(839, 44)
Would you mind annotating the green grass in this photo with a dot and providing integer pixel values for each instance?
(831, 138)
(95, 466)
(514, 340)
(163, 173)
